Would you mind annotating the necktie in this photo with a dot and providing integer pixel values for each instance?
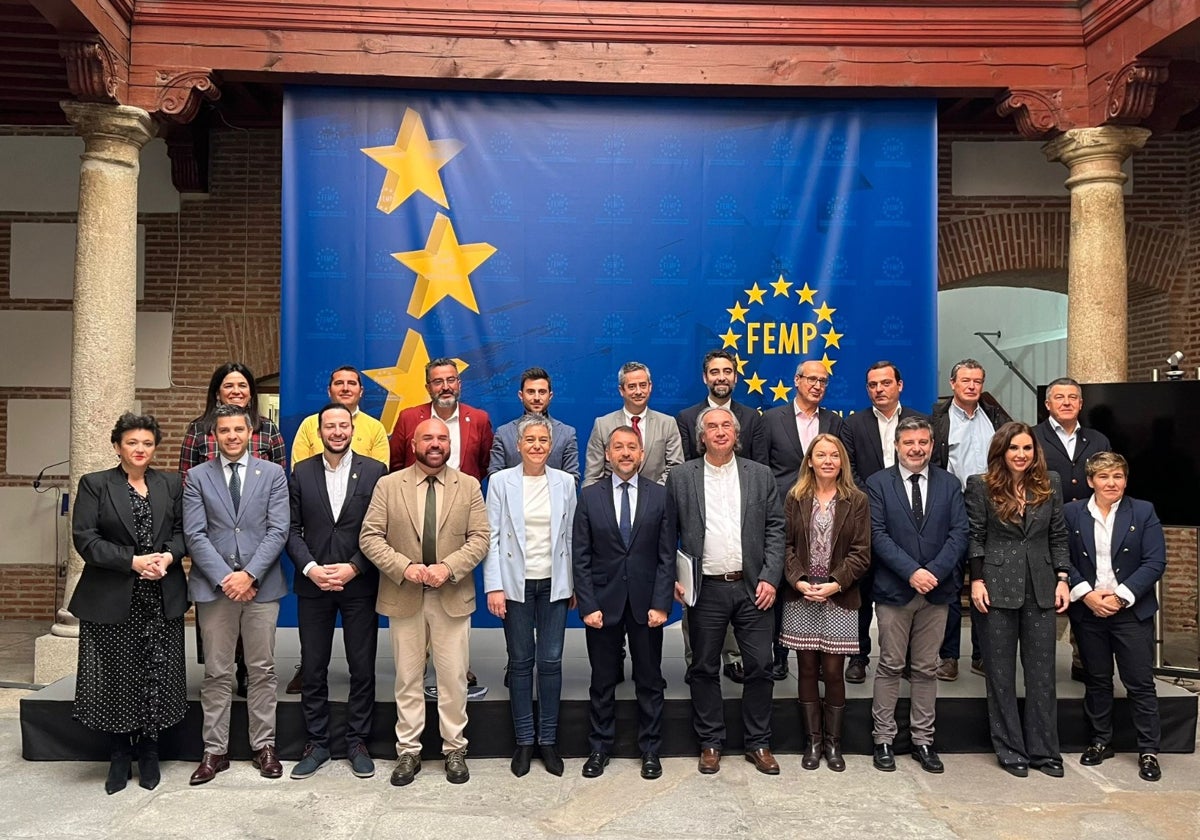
(637, 422)
(626, 523)
(235, 487)
(918, 508)
(429, 528)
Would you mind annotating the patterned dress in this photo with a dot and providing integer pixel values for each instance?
(811, 626)
(131, 675)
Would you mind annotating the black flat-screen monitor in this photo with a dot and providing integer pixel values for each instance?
(1156, 426)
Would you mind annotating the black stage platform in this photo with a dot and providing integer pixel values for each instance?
(49, 734)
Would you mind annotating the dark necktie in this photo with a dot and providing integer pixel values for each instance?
(637, 426)
(918, 508)
(235, 487)
(626, 523)
(429, 528)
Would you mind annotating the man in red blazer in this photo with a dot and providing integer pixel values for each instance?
(470, 428)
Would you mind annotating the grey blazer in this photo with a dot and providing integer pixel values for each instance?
(762, 518)
(660, 440)
(1000, 552)
(221, 541)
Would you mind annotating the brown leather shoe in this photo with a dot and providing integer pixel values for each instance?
(294, 684)
(763, 761)
(267, 763)
(210, 765)
(710, 761)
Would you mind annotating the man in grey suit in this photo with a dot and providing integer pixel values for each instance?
(535, 396)
(235, 523)
(731, 521)
(660, 436)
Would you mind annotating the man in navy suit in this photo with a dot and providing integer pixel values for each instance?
(624, 563)
(235, 523)
(1065, 443)
(1118, 554)
(919, 532)
(329, 496)
(870, 440)
(535, 396)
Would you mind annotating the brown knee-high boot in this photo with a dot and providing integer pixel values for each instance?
(833, 737)
(810, 713)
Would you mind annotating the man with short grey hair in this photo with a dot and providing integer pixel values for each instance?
(661, 443)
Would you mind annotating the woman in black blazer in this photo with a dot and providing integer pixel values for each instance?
(1019, 565)
(130, 601)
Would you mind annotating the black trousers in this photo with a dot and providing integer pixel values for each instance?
(1131, 643)
(720, 604)
(866, 612)
(604, 647)
(360, 635)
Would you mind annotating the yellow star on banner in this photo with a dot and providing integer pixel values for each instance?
(754, 384)
(730, 338)
(780, 391)
(443, 268)
(412, 163)
(806, 294)
(737, 313)
(755, 294)
(781, 287)
(832, 338)
(828, 362)
(741, 365)
(825, 313)
(405, 380)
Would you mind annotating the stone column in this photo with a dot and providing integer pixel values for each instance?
(1097, 350)
(105, 305)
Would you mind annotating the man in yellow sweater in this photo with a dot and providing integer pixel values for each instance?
(370, 439)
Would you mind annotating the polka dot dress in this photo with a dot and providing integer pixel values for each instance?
(131, 675)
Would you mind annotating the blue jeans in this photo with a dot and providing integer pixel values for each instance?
(534, 630)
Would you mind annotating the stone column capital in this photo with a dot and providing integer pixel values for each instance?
(1096, 154)
(131, 128)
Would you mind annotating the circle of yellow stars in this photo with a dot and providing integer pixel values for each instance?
(780, 392)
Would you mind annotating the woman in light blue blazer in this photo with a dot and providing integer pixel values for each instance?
(527, 577)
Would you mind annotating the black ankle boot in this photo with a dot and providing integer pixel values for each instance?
(148, 773)
(119, 769)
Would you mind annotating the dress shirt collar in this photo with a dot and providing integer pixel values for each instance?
(881, 416)
(1061, 430)
(721, 471)
(342, 466)
(617, 481)
(962, 412)
(905, 472)
(244, 461)
(1094, 509)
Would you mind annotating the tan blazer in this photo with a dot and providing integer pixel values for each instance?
(391, 539)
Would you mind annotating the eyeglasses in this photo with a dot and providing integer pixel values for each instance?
(820, 381)
(438, 383)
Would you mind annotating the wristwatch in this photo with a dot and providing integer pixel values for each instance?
(1063, 577)
(1124, 603)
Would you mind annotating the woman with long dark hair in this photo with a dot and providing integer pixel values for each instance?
(231, 384)
(130, 601)
(827, 551)
(1019, 571)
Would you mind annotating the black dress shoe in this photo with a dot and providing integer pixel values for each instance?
(651, 766)
(735, 672)
(1018, 768)
(1096, 754)
(595, 764)
(1052, 768)
(884, 758)
(928, 757)
(856, 671)
(1148, 769)
(551, 760)
(522, 757)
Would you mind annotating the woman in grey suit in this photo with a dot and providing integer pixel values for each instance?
(527, 577)
(130, 601)
(1019, 568)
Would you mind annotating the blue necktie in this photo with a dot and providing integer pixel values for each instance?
(626, 523)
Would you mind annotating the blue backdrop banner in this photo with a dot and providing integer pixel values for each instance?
(577, 233)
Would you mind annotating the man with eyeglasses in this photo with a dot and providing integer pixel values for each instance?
(963, 427)
(870, 440)
(470, 428)
(789, 430)
(1066, 444)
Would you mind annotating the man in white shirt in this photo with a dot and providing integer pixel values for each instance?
(659, 433)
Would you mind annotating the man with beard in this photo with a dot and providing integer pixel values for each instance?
(329, 496)
(427, 589)
(719, 372)
(535, 396)
(470, 428)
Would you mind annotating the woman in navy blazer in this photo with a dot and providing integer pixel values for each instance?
(130, 601)
(1018, 560)
(527, 577)
(1118, 555)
